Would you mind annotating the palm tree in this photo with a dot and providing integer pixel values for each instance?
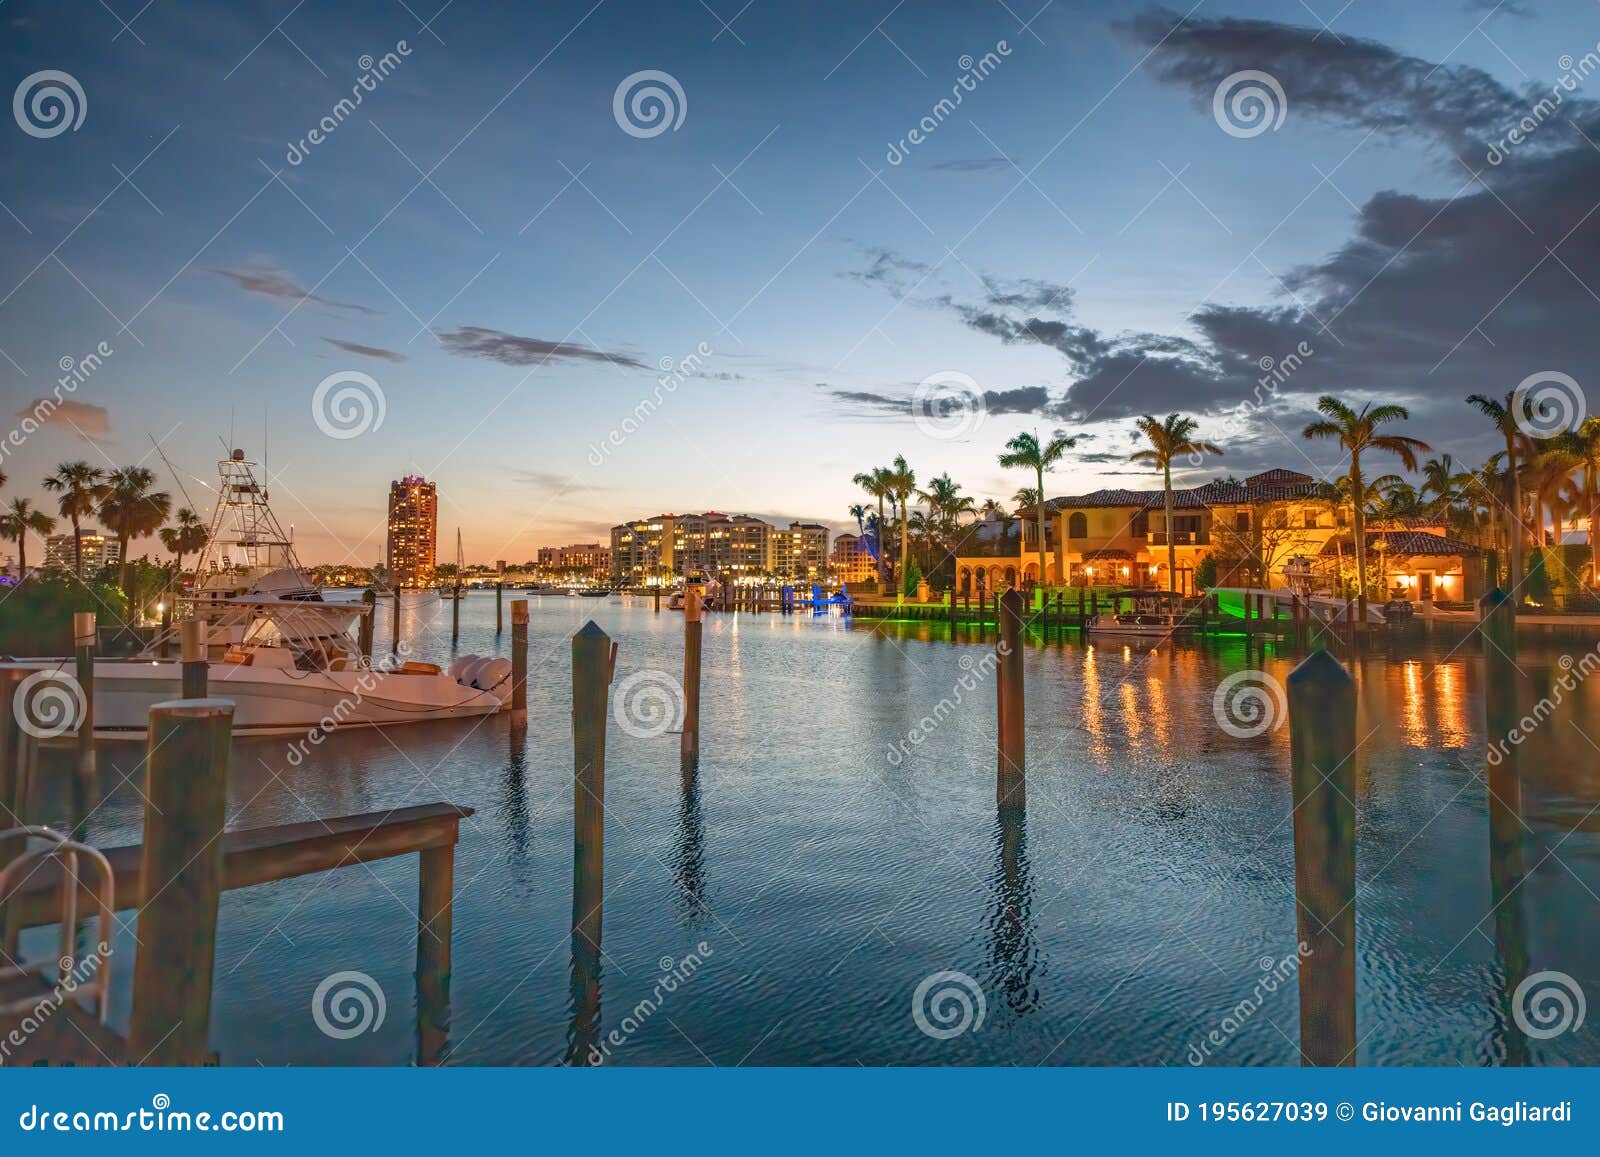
(876, 483)
(1170, 439)
(859, 513)
(1025, 452)
(1502, 415)
(1357, 433)
(902, 482)
(187, 537)
(1584, 444)
(81, 486)
(131, 509)
(17, 522)
(946, 502)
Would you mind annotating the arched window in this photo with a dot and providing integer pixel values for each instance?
(1078, 525)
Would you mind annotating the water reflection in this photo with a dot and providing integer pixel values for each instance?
(1013, 948)
(689, 846)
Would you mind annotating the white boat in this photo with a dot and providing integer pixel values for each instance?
(275, 647)
(1158, 613)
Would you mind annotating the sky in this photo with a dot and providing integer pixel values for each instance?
(569, 308)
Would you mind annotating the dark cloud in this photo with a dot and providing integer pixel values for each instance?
(471, 341)
(974, 164)
(1021, 400)
(90, 422)
(269, 283)
(366, 351)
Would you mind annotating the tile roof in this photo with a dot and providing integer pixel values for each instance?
(1408, 542)
(1270, 486)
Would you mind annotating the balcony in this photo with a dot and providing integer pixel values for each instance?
(1181, 538)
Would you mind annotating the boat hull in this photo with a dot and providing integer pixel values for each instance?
(271, 701)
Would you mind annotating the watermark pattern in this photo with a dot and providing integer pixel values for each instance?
(373, 72)
(648, 704)
(1274, 974)
(1248, 704)
(73, 974)
(648, 103)
(159, 1118)
(348, 404)
(973, 72)
(674, 974)
(1248, 103)
(1586, 665)
(48, 103)
(48, 704)
(976, 672)
(347, 1004)
(1549, 403)
(1572, 73)
(946, 1005)
(74, 372)
(1548, 1004)
(673, 375)
(948, 406)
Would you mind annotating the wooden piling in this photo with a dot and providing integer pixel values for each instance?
(455, 615)
(592, 659)
(499, 605)
(394, 625)
(1502, 713)
(186, 792)
(11, 807)
(192, 652)
(83, 639)
(519, 662)
(436, 874)
(1322, 730)
(657, 593)
(689, 748)
(365, 627)
(1009, 697)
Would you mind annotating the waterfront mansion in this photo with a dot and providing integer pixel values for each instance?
(1252, 530)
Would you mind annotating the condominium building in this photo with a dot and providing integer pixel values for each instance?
(850, 561)
(587, 560)
(666, 547)
(413, 530)
(98, 549)
(800, 553)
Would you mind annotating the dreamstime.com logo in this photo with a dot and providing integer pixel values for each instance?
(948, 1004)
(1248, 103)
(347, 1004)
(48, 704)
(348, 404)
(948, 405)
(648, 704)
(48, 103)
(1549, 403)
(648, 103)
(1548, 1004)
(1248, 704)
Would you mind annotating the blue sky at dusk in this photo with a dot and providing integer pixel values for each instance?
(1080, 238)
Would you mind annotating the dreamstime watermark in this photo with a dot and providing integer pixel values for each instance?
(74, 372)
(674, 974)
(49, 704)
(975, 672)
(1547, 1004)
(648, 704)
(373, 72)
(48, 103)
(1548, 403)
(946, 1005)
(1248, 704)
(347, 1004)
(648, 103)
(73, 975)
(348, 404)
(1573, 73)
(973, 72)
(673, 375)
(1584, 666)
(1274, 974)
(1248, 103)
(949, 405)
(161, 1117)
(366, 682)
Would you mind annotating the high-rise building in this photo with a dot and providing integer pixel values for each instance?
(585, 560)
(800, 553)
(668, 547)
(413, 530)
(851, 561)
(99, 550)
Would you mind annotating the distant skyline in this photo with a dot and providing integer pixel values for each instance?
(519, 289)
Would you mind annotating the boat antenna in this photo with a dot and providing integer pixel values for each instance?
(171, 469)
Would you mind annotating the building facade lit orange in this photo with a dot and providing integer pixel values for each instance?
(413, 531)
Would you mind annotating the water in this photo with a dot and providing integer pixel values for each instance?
(818, 881)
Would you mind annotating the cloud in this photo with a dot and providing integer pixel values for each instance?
(472, 341)
(90, 422)
(1021, 400)
(366, 351)
(269, 283)
(974, 164)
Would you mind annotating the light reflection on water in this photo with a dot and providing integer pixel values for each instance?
(1117, 920)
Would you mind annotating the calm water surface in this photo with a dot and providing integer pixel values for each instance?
(1118, 922)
